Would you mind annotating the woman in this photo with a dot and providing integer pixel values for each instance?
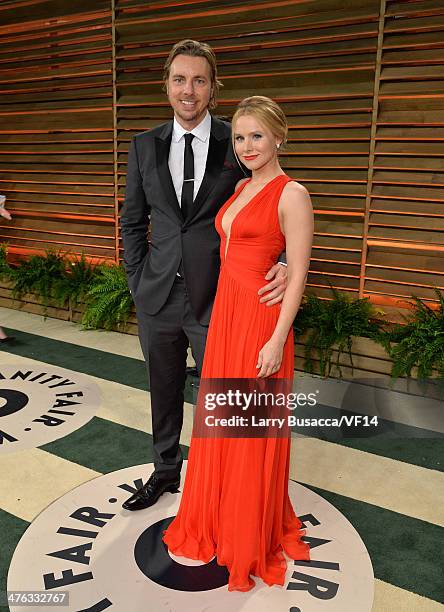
(235, 502)
(7, 215)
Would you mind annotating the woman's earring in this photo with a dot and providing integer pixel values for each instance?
(278, 144)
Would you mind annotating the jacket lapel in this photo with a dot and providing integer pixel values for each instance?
(163, 143)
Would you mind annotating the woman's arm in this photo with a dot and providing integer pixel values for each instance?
(296, 218)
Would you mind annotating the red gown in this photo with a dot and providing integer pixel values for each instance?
(235, 502)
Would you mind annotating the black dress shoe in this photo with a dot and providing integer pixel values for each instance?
(147, 495)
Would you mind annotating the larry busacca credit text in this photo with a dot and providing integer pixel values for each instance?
(244, 401)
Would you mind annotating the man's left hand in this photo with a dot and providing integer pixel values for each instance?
(275, 289)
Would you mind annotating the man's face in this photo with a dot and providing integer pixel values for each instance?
(189, 89)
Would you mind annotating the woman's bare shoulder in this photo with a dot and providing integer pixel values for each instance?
(293, 188)
(292, 193)
(241, 182)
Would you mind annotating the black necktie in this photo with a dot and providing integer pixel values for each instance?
(188, 177)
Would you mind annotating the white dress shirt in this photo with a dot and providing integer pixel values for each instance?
(200, 144)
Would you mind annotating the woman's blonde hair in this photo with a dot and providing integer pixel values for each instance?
(267, 111)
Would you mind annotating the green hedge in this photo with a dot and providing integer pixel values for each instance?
(329, 324)
(67, 282)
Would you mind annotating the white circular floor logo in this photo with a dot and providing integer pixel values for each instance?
(107, 558)
(41, 404)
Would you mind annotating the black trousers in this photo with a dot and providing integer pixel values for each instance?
(164, 339)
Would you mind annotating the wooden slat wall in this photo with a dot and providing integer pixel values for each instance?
(56, 126)
(406, 216)
(316, 59)
(361, 83)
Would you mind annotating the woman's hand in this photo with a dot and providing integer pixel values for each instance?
(270, 358)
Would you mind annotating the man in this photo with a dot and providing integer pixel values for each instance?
(179, 175)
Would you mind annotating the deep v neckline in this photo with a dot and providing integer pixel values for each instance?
(236, 194)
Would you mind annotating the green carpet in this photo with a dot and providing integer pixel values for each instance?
(405, 551)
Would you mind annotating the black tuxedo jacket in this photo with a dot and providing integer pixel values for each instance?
(151, 198)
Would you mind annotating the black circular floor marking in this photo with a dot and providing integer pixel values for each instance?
(15, 401)
(37, 411)
(112, 500)
(160, 580)
(153, 560)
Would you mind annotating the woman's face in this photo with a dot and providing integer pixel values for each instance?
(254, 143)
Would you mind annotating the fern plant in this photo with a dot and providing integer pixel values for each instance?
(419, 342)
(77, 278)
(108, 301)
(333, 322)
(38, 274)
